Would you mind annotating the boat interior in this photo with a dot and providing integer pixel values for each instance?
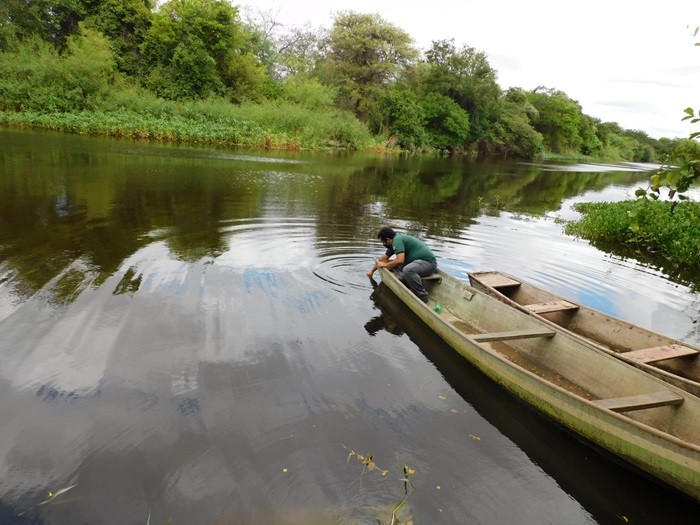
(563, 361)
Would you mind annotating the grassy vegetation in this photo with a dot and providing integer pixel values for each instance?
(79, 91)
(271, 125)
(663, 234)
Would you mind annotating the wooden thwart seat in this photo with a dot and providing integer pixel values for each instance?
(659, 353)
(496, 280)
(514, 334)
(432, 277)
(552, 306)
(629, 403)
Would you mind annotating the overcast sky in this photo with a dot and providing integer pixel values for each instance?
(628, 61)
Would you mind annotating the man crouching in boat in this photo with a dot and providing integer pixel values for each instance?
(413, 258)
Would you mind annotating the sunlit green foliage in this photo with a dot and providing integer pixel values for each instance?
(665, 234)
(195, 48)
(682, 169)
(465, 76)
(432, 122)
(307, 92)
(212, 121)
(512, 134)
(590, 142)
(365, 52)
(35, 77)
(399, 114)
(558, 119)
(447, 124)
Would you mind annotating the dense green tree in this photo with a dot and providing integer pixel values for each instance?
(664, 146)
(198, 47)
(465, 76)
(125, 23)
(50, 20)
(38, 78)
(416, 122)
(606, 131)
(590, 143)
(512, 134)
(558, 120)
(364, 53)
(447, 124)
(398, 113)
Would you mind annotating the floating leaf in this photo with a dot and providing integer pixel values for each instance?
(442, 398)
(475, 438)
(385, 472)
(438, 487)
(284, 470)
(52, 496)
(623, 518)
(57, 494)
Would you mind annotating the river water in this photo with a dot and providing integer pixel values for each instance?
(189, 333)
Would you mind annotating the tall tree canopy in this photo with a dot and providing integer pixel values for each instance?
(51, 20)
(125, 23)
(365, 52)
(197, 47)
(558, 119)
(465, 76)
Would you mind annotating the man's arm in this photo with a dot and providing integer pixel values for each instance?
(383, 259)
(392, 263)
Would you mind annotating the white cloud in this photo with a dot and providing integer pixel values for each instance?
(596, 51)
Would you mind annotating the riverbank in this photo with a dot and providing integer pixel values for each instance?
(269, 126)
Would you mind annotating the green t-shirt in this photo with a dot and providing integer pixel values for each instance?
(414, 249)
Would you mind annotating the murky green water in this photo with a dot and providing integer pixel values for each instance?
(190, 333)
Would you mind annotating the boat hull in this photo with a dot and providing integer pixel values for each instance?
(670, 459)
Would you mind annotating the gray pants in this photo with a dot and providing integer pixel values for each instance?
(411, 274)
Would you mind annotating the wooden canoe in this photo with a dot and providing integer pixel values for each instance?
(639, 418)
(664, 357)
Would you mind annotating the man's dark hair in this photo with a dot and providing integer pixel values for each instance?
(386, 233)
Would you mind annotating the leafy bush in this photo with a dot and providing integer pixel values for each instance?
(36, 77)
(309, 93)
(447, 124)
(399, 114)
(666, 232)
